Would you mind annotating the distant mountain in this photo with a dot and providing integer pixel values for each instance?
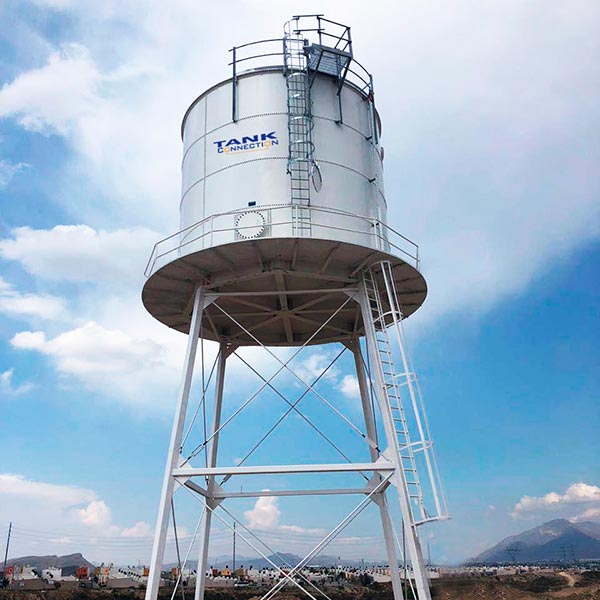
(553, 541)
(67, 562)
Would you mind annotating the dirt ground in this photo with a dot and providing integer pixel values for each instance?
(548, 586)
(554, 586)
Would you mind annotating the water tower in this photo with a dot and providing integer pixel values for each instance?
(284, 242)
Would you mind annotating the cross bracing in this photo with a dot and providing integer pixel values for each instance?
(393, 436)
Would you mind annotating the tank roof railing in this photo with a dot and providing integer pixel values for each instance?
(383, 237)
(360, 79)
(355, 73)
(262, 55)
(342, 36)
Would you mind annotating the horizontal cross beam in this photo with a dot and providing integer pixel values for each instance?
(278, 493)
(276, 469)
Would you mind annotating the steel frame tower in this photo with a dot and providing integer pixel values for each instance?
(356, 295)
(392, 454)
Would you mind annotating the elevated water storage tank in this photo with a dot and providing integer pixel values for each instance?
(282, 190)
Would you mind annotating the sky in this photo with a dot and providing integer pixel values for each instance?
(491, 130)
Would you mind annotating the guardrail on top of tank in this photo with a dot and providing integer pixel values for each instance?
(356, 74)
(382, 236)
(360, 77)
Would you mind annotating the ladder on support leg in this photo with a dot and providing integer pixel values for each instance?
(300, 127)
(393, 380)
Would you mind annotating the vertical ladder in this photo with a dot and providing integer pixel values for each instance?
(393, 380)
(300, 127)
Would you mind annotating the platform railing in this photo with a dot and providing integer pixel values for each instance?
(329, 223)
(269, 53)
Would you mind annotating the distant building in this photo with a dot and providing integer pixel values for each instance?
(51, 574)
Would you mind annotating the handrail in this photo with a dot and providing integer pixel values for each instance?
(378, 231)
(257, 42)
(357, 76)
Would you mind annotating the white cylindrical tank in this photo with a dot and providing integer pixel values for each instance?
(236, 166)
(282, 204)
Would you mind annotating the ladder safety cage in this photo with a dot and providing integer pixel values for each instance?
(301, 162)
(416, 449)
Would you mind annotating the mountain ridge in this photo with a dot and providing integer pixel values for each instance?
(554, 540)
(66, 562)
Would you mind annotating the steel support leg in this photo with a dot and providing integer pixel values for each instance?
(213, 449)
(379, 499)
(412, 538)
(162, 522)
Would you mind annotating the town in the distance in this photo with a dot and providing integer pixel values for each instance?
(554, 553)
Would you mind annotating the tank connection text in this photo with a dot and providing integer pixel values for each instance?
(248, 143)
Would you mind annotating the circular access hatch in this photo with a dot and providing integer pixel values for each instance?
(250, 224)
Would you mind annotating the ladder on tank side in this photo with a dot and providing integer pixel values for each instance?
(300, 128)
(387, 318)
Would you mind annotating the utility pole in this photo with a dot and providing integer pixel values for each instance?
(233, 560)
(6, 553)
(405, 588)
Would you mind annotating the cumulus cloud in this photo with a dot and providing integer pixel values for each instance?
(589, 513)
(91, 350)
(76, 513)
(579, 500)
(126, 369)
(15, 303)
(349, 387)
(80, 253)
(266, 515)
(103, 115)
(52, 98)
(96, 514)
(55, 494)
(8, 388)
(312, 366)
(139, 529)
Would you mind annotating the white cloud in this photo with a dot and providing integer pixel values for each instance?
(139, 529)
(80, 253)
(81, 520)
(266, 515)
(59, 495)
(8, 388)
(53, 98)
(92, 351)
(95, 514)
(8, 170)
(589, 513)
(301, 531)
(349, 387)
(125, 369)
(579, 499)
(43, 306)
(310, 365)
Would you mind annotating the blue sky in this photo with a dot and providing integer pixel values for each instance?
(490, 127)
